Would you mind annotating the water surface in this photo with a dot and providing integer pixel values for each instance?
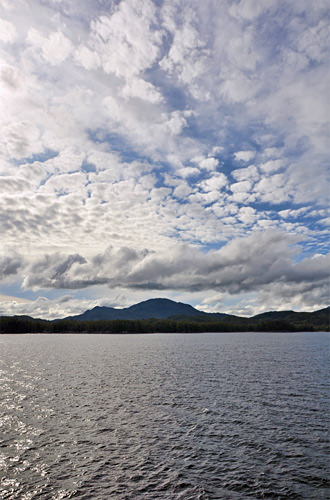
(169, 416)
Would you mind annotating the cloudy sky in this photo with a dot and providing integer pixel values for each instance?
(164, 148)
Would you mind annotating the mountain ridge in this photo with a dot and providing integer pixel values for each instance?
(160, 308)
(164, 315)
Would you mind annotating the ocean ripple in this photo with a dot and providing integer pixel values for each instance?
(168, 417)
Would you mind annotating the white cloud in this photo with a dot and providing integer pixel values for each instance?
(125, 41)
(245, 156)
(272, 166)
(182, 190)
(11, 77)
(45, 308)
(137, 87)
(238, 88)
(247, 215)
(249, 173)
(66, 183)
(68, 160)
(187, 58)
(242, 192)
(21, 139)
(292, 213)
(187, 171)
(271, 153)
(241, 51)
(217, 149)
(89, 59)
(175, 123)
(273, 189)
(241, 187)
(250, 9)
(7, 31)
(215, 182)
(209, 163)
(55, 48)
(314, 41)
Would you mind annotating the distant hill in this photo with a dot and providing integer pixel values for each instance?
(152, 308)
(316, 318)
(164, 315)
(178, 311)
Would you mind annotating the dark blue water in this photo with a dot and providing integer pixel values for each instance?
(208, 416)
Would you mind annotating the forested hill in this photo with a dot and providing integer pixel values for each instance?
(169, 309)
(152, 308)
(184, 319)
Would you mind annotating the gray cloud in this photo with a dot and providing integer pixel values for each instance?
(53, 271)
(242, 265)
(10, 265)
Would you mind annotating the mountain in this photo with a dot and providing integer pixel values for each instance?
(152, 308)
(164, 315)
(316, 318)
(169, 309)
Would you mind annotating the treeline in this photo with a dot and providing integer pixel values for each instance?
(23, 324)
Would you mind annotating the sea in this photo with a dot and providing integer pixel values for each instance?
(164, 416)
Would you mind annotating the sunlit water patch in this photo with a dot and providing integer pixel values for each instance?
(210, 416)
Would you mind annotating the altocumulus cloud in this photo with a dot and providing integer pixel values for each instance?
(172, 148)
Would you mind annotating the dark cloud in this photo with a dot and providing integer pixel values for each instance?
(260, 262)
(243, 265)
(10, 265)
(52, 271)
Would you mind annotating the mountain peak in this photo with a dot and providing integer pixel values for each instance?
(158, 308)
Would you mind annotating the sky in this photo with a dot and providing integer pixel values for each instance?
(164, 148)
